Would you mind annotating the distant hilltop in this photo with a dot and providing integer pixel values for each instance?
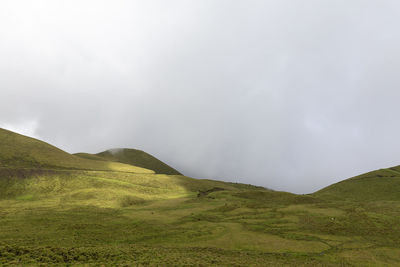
(25, 152)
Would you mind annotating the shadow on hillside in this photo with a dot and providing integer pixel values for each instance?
(12, 173)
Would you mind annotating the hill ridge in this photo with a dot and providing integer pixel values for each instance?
(381, 184)
(19, 151)
(135, 157)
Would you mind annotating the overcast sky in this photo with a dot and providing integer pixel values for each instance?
(290, 95)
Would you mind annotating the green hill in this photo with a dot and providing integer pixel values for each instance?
(383, 184)
(133, 157)
(58, 209)
(18, 151)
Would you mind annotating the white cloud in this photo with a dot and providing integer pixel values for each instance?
(291, 95)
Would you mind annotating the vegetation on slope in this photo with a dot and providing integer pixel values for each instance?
(96, 217)
(24, 152)
(134, 157)
(58, 216)
(383, 184)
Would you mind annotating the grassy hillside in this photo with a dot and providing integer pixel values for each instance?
(134, 157)
(55, 213)
(65, 217)
(381, 184)
(18, 151)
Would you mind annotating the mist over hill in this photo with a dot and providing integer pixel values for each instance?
(257, 92)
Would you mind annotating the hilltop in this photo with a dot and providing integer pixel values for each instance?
(128, 208)
(133, 157)
(383, 184)
(18, 151)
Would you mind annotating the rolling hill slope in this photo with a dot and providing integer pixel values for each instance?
(383, 184)
(18, 151)
(58, 209)
(133, 157)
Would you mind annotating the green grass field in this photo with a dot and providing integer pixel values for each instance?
(61, 209)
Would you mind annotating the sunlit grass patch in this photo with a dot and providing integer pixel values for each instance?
(25, 197)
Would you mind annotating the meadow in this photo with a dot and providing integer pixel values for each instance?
(89, 215)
